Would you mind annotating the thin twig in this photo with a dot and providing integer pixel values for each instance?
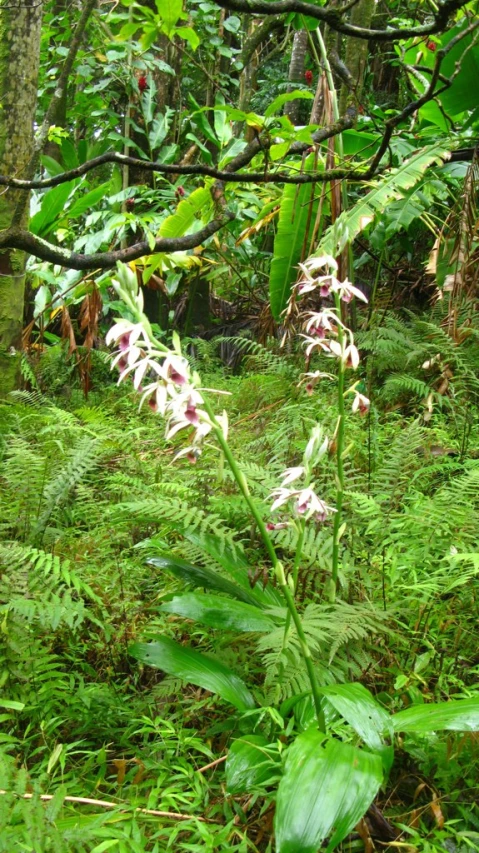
(106, 804)
(212, 764)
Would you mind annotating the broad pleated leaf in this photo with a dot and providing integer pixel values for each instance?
(290, 242)
(251, 762)
(218, 612)
(366, 716)
(326, 788)
(206, 578)
(53, 167)
(181, 221)
(195, 668)
(209, 579)
(459, 715)
(230, 556)
(394, 185)
(158, 131)
(233, 560)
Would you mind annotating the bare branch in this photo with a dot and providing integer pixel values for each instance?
(18, 238)
(228, 174)
(335, 17)
(428, 95)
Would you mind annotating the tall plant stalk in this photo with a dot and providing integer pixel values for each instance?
(287, 588)
(339, 461)
(128, 291)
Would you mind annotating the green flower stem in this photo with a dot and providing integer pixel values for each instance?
(297, 560)
(306, 655)
(339, 456)
(277, 566)
(299, 548)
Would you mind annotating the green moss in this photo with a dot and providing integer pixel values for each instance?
(9, 372)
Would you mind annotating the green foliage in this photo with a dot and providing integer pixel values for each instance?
(296, 221)
(312, 803)
(107, 546)
(392, 186)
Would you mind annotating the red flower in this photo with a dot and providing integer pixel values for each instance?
(130, 203)
(431, 45)
(142, 83)
(308, 76)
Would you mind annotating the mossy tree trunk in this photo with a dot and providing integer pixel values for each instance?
(296, 72)
(356, 55)
(19, 62)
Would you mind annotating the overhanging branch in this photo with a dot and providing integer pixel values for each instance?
(229, 174)
(17, 238)
(335, 20)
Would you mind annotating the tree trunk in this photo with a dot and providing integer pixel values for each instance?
(356, 55)
(19, 63)
(296, 72)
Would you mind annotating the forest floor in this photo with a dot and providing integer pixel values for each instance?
(89, 492)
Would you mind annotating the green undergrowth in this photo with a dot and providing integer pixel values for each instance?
(89, 491)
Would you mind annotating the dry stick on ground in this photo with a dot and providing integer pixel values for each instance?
(106, 804)
(212, 764)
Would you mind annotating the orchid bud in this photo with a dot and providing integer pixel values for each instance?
(315, 448)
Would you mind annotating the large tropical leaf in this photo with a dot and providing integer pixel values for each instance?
(182, 220)
(281, 100)
(461, 65)
(218, 612)
(459, 715)
(89, 200)
(251, 762)
(366, 716)
(295, 222)
(53, 204)
(194, 668)
(392, 186)
(326, 788)
(199, 576)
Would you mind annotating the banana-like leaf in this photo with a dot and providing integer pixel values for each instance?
(207, 578)
(195, 668)
(185, 215)
(218, 612)
(291, 239)
(233, 560)
(366, 716)
(251, 762)
(394, 185)
(326, 788)
(459, 715)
